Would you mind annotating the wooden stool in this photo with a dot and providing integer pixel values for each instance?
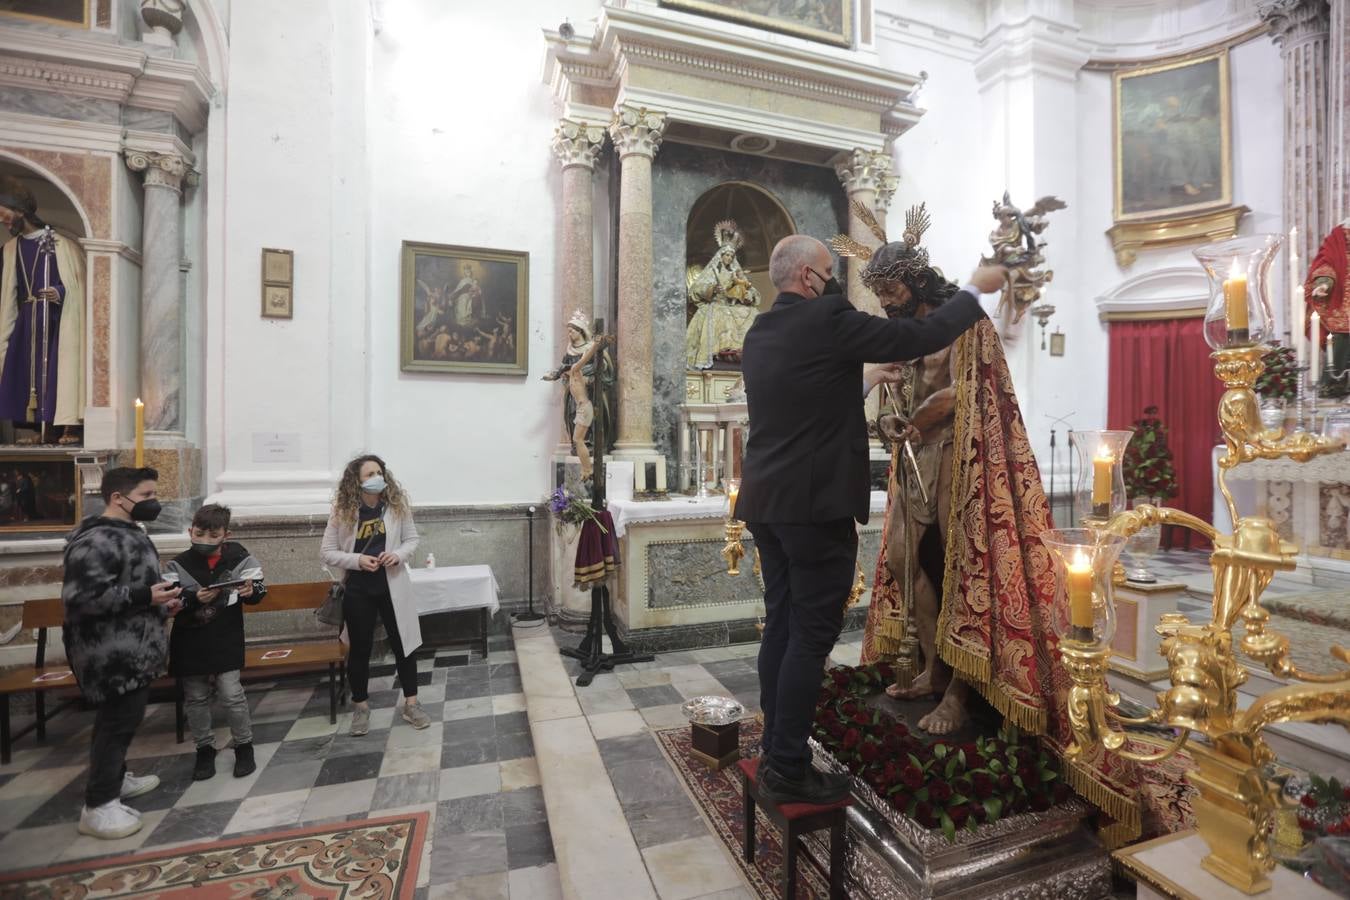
(795, 820)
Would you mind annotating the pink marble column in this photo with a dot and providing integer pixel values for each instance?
(866, 176)
(1338, 114)
(577, 145)
(636, 133)
(1299, 27)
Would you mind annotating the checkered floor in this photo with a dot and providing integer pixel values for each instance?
(473, 770)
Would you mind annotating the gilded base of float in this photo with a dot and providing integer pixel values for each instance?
(1165, 867)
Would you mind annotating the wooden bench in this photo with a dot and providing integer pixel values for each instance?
(303, 657)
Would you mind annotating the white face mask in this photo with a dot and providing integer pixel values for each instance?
(374, 484)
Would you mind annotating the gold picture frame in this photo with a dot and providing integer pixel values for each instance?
(781, 20)
(41, 492)
(278, 266)
(278, 301)
(464, 309)
(55, 12)
(1172, 138)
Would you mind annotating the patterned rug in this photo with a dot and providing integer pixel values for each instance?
(718, 797)
(373, 859)
(1314, 623)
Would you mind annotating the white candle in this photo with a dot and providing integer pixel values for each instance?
(639, 476)
(1315, 367)
(1297, 336)
(661, 474)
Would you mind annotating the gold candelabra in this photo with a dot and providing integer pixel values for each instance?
(733, 551)
(1236, 806)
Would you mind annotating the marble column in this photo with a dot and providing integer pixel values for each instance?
(865, 174)
(1338, 114)
(636, 132)
(1299, 27)
(161, 350)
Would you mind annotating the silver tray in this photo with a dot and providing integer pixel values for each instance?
(713, 710)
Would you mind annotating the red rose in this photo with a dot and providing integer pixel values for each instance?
(983, 784)
(892, 742)
(959, 814)
(923, 814)
(827, 717)
(1308, 801)
(886, 672)
(963, 786)
(912, 776)
(870, 751)
(836, 730)
(940, 791)
(851, 738)
(1345, 793)
(1306, 824)
(861, 719)
(971, 751)
(849, 707)
(840, 678)
(891, 771)
(1040, 801)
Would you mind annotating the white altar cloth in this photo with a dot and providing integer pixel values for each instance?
(630, 512)
(450, 588)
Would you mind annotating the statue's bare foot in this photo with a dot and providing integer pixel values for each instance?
(949, 716)
(920, 687)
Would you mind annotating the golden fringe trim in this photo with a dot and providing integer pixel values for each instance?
(1128, 824)
(976, 671)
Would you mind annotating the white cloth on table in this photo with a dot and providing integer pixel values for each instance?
(676, 509)
(449, 588)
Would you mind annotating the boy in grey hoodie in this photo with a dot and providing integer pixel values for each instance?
(116, 605)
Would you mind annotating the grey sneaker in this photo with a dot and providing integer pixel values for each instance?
(360, 721)
(414, 715)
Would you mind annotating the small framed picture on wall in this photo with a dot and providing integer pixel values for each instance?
(277, 301)
(278, 277)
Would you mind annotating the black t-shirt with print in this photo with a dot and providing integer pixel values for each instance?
(369, 527)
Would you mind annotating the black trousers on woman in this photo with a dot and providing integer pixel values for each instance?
(360, 608)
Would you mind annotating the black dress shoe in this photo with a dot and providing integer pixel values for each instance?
(243, 760)
(206, 763)
(813, 787)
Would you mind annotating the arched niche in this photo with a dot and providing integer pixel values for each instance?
(761, 217)
(56, 203)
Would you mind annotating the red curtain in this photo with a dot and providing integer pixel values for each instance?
(1166, 364)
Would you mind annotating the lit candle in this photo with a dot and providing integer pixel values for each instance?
(140, 433)
(1079, 585)
(1102, 465)
(1235, 303)
(733, 491)
(1315, 346)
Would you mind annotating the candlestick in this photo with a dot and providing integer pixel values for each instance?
(733, 491)
(1299, 338)
(1102, 465)
(140, 433)
(1315, 349)
(1078, 582)
(1235, 304)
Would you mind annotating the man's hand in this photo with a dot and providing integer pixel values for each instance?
(887, 373)
(369, 563)
(164, 592)
(50, 294)
(989, 278)
(208, 595)
(898, 429)
(246, 590)
(389, 559)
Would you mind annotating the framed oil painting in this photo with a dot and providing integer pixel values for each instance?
(1173, 147)
(38, 492)
(60, 12)
(829, 21)
(465, 309)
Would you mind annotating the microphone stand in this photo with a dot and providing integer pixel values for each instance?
(530, 615)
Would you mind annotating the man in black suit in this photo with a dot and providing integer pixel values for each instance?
(805, 479)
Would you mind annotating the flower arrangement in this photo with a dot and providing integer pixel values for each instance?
(1324, 808)
(571, 509)
(1279, 381)
(1148, 460)
(941, 785)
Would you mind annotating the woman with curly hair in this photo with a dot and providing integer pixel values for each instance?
(370, 540)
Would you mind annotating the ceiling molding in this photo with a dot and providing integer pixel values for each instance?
(1111, 64)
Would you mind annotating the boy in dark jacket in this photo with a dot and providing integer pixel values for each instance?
(115, 607)
(207, 641)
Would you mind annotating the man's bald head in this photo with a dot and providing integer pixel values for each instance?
(800, 265)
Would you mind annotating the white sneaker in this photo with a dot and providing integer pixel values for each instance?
(134, 812)
(110, 821)
(135, 785)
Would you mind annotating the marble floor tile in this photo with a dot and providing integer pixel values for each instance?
(472, 781)
(492, 886)
(431, 694)
(403, 735)
(312, 727)
(529, 845)
(658, 717)
(545, 709)
(469, 752)
(514, 746)
(638, 780)
(512, 723)
(594, 702)
(355, 767)
(508, 703)
(405, 790)
(302, 751)
(469, 729)
(477, 853)
(731, 894)
(536, 883)
(83, 846)
(516, 774)
(617, 724)
(471, 708)
(629, 748)
(496, 657)
(708, 687)
(657, 695)
(40, 782)
(644, 678)
(224, 786)
(271, 811)
(194, 823)
(32, 848)
(660, 821)
(14, 810)
(334, 800)
(277, 779)
(407, 760)
(524, 806)
(683, 870)
(464, 815)
(688, 672)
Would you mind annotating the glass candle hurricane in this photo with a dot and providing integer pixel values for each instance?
(1100, 492)
(1084, 610)
(1239, 312)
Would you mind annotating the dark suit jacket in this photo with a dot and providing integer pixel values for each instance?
(806, 459)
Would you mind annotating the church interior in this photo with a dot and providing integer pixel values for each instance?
(570, 561)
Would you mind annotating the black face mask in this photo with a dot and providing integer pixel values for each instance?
(145, 510)
(827, 287)
(206, 549)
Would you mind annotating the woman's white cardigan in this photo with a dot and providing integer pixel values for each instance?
(338, 553)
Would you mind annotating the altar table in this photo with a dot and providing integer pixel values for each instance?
(455, 589)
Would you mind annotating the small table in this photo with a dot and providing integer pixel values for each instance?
(454, 589)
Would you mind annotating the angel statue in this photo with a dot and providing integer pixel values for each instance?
(589, 372)
(1016, 246)
(725, 304)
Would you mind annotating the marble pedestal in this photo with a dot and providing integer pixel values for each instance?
(1168, 868)
(1135, 650)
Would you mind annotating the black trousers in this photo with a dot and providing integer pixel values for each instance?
(360, 609)
(808, 571)
(115, 725)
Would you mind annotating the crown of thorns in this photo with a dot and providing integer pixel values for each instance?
(899, 261)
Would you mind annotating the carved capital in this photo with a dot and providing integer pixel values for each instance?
(865, 170)
(162, 169)
(636, 129)
(578, 143)
(1294, 21)
(886, 188)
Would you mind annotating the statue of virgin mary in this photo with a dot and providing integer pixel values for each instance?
(725, 304)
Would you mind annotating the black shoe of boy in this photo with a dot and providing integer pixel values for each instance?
(243, 760)
(206, 763)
